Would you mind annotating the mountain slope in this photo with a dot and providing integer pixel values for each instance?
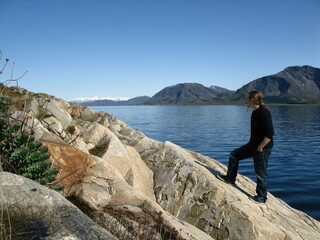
(108, 102)
(186, 93)
(293, 85)
(297, 84)
(222, 92)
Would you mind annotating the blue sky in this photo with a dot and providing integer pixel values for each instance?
(104, 48)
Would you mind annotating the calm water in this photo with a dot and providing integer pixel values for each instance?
(294, 166)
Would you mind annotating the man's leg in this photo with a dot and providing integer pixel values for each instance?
(260, 167)
(235, 156)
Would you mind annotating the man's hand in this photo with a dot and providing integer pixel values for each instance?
(260, 149)
(264, 142)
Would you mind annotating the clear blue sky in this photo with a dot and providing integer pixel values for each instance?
(118, 48)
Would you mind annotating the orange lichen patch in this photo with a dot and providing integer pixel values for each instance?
(71, 163)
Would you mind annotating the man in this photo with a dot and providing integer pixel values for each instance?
(259, 147)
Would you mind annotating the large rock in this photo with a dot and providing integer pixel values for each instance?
(64, 117)
(61, 104)
(87, 114)
(30, 124)
(55, 126)
(186, 186)
(51, 112)
(105, 195)
(71, 162)
(33, 107)
(36, 212)
(116, 204)
(105, 144)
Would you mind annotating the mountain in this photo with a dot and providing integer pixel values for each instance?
(187, 93)
(293, 85)
(222, 92)
(138, 100)
(81, 100)
(113, 102)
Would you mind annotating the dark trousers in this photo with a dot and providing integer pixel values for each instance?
(260, 160)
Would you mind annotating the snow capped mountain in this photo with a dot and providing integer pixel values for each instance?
(82, 100)
(100, 101)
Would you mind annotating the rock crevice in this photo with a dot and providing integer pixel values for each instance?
(136, 186)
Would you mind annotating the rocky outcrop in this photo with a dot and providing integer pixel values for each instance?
(112, 197)
(136, 187)
(32, 211)
(186, 186)
(102, 174)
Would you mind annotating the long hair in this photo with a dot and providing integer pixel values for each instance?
(256, 97)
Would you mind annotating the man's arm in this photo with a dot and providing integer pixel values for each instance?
(264, 142)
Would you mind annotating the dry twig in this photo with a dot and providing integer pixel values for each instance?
(6, 83)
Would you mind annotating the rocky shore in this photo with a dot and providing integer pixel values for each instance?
(129, 186)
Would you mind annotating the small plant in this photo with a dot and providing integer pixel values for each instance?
(29, 157)
(6, 130)
(71, 129)
(21, 153)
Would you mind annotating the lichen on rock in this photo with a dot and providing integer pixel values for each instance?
(130, 184)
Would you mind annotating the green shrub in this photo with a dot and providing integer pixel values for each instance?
(6, 130)
(21, 153)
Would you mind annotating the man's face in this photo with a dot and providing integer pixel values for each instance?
(249, 102)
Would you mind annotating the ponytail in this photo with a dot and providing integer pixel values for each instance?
(262, 104)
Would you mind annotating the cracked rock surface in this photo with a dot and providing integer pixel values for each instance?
(138, 188)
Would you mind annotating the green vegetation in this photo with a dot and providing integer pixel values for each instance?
(20, 153)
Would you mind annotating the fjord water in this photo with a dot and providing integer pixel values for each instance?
(294, 165)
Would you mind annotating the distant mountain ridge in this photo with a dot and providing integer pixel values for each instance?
(114, 102)
(222, 92)
(188, 93)
(293, 85)
(80, 100)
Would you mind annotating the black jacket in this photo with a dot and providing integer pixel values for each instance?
(261, 126)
